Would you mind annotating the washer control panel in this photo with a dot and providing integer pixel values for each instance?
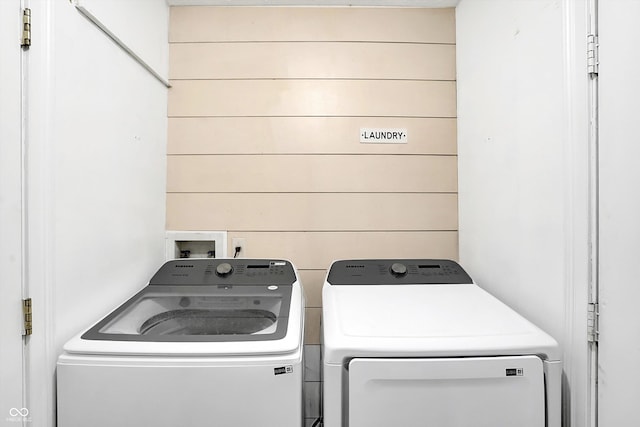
(227, 272)
(397, 271)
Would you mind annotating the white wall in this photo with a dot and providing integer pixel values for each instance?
(510, 141)
(523, 162)
(118, 15)
(97, 179)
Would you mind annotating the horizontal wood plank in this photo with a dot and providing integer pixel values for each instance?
(306, 135)
(214, 24)
(303, 173)
(241, 98)
(312, 60)
(312, 282)
(311, 211)
(316, 250)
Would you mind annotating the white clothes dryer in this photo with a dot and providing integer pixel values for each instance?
(417, 343)
(208, 342)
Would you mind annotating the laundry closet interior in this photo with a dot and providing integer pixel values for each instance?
(263, 124)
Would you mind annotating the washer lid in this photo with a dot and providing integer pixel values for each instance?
(197, 313)
(205, 300)
(204, 306)
(428, 320)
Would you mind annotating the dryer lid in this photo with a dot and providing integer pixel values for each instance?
(431, 308)
(425, 321)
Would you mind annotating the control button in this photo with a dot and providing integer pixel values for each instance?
(272, 287)
(398, 269)
(224, 269)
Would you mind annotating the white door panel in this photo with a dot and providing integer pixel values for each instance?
(11, 392)
(455, 392)
(619, 216)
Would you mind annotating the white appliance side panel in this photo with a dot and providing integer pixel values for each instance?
(451, 392)
(172, 395)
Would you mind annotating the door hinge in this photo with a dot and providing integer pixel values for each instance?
(593, 56)
(27, 316)
(593, 320)
(26, 28)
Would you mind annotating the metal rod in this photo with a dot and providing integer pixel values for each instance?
(120, 43)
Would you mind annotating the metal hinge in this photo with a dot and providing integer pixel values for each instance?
(593, 320)
(593, 57)
(26, 28)
(27, 316)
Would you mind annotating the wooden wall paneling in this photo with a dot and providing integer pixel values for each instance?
(316, 250)
(312, 60)
(312, 211)
(312, 281)
(306, 135)
(264, 119)
(222, 24)
(395, 98)
(303, 173)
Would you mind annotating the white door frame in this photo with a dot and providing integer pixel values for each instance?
(577, 159)
(13, 403)
(40, 198)
(26, 386)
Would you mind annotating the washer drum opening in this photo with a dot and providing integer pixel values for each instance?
(208, 322)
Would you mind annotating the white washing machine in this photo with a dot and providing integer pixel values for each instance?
(417, 343)
(208, 342)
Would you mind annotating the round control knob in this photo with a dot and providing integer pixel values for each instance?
(398, 269)
(224, 269)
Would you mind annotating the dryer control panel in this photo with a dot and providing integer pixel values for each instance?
(231, 272)
(397, 271)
